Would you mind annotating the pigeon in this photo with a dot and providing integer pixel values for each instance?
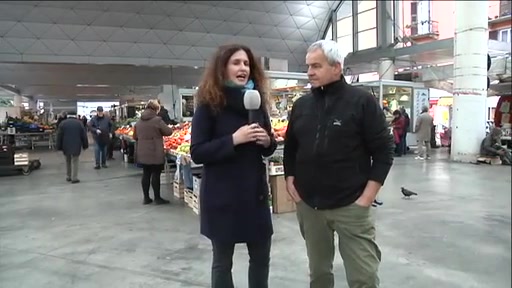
(407, 193)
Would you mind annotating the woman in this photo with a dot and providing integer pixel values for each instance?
(234, 191)
(398, 124)
(149, 132)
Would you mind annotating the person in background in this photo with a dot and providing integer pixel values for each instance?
(84, 121)
(101, 129)
(71, 139)
(164, 114)
(113, 139)
(148, 132)
(491, 146)
(407, 123)
(423, 128)
(234, 190)
(337, 154)
(388, 114)
(398, 125)
(62, 116)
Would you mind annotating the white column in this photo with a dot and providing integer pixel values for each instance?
(170, 99)
(32, 105)
(18, 100)
(470, 79)
(386, 69)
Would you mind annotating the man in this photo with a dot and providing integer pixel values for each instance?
(423, 130)
(71, 139)
(491, 146)
(338, 152)
(101, 129)
(164, 114)
(84, 120)
(62, 116)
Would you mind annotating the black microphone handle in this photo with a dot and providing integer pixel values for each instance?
(252, 116)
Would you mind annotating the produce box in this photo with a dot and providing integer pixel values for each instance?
(197, 184)
(178, 190)
(192, 200)
(275, 170)
(281, 200)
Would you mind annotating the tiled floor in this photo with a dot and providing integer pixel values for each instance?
(456, 234)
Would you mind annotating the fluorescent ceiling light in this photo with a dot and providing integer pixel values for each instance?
(92, 85)
(94, 95)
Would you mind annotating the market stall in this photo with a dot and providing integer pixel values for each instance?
(27, 133)
(396, 94)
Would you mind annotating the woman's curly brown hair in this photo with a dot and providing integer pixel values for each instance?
(210, 89)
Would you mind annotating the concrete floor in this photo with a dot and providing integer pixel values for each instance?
(457, 233)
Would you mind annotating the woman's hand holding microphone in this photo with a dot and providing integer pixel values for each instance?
(251, 133)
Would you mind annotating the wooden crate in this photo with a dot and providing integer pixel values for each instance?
(192, 200)
(178, 190)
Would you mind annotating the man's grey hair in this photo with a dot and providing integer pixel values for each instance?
(424, 108)
(330, 50)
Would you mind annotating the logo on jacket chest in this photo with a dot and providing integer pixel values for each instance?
(337, 122)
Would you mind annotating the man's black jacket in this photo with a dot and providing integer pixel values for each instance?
(337, 140)
(164, 114)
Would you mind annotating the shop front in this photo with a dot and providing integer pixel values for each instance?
(400, 94)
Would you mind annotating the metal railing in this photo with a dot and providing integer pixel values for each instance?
(427, 27)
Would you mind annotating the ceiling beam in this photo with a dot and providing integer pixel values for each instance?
(33, 74)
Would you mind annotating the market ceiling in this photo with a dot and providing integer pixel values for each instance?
(181, 33)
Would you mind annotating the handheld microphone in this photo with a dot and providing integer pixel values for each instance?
(252, 102)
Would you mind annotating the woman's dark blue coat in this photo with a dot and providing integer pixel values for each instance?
(234, 195)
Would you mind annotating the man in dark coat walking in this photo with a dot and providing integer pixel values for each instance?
(164, 114)
(71, 139)
(101, 129)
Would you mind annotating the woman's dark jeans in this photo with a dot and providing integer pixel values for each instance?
(259, 262)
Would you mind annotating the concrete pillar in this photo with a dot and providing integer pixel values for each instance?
(470, 79)
(385, 23)
(386, 69)
(170, 98)
(18, 100)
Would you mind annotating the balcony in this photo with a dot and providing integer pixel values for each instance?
(498, 19)
(423, 31)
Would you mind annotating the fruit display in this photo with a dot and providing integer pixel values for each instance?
(279, 127)
(181, 136)
(24, 125)
(125, 130)
(179, 141)
(276, 159)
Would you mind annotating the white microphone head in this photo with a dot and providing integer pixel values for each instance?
(252, 100)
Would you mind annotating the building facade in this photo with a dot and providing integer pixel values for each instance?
(414, 22)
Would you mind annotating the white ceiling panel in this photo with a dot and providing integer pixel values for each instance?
(105, 31)
(55, 33)
(6, 26)
(7, 48)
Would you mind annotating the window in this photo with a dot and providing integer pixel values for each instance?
(345, 44)
(420, 17)
(504, 35)
(367, 39)
(345, 26)
(366, 5)
(505, 7)
(367, 20)
(328, 35)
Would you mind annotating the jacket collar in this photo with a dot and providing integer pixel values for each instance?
(331, 88)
